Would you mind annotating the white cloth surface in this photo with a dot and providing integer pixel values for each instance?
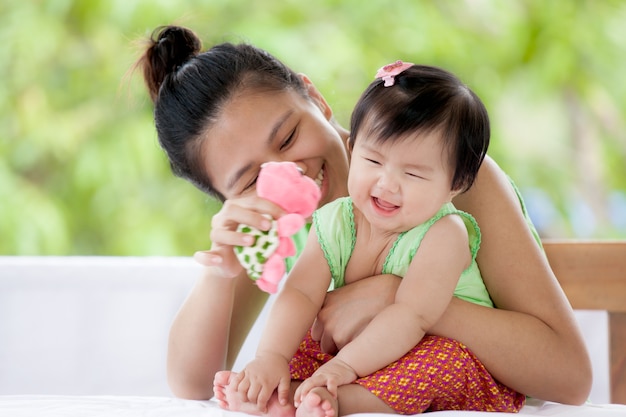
(88, 325)
(130, 406)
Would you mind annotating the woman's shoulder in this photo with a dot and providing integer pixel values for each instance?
(492, 192)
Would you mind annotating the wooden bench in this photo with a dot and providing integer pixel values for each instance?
(593, 276)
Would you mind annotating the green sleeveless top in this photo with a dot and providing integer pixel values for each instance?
(336, 233)
(301, 237)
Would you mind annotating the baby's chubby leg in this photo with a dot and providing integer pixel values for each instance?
(230, 399)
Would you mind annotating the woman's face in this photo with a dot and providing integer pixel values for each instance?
(258, 127)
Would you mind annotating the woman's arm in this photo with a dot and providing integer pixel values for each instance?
(531, 342)
(209, 330)
(215, 319)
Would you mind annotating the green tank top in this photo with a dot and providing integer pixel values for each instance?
(301, 237)
(335, 229)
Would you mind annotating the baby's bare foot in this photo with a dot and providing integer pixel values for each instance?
(318, 403)
(230, 399)
(220, 382)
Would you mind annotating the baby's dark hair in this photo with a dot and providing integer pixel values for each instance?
(189, 89)
(425, 99)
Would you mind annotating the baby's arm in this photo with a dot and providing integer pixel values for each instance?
(421, 299)
(330, 375)
(291, 316)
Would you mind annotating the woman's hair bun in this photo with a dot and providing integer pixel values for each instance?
(169, 48)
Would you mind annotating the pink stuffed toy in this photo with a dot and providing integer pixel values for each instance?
(284, 184)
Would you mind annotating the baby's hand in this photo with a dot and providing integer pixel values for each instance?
(331, 375)
(261, 377)
(248, 210)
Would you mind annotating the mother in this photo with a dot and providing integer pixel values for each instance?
(220, 114)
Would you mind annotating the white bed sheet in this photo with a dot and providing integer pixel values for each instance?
(130, 406)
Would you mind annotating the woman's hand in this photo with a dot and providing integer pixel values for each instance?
(248, 210)
(347, 310)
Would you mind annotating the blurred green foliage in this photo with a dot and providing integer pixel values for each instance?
(82, 173)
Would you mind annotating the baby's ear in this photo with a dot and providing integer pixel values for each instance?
(348, 146)
(317, 97)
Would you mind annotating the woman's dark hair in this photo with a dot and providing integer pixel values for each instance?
(425, 99)
(189, 88)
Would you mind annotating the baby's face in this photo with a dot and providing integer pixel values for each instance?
(400, 183)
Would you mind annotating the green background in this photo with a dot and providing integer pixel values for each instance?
(81, 171)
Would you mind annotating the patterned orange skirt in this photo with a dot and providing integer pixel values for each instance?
(437, 374)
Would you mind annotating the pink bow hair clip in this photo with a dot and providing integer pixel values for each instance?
(388, 72)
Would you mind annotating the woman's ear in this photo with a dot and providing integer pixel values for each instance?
(317, 97)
